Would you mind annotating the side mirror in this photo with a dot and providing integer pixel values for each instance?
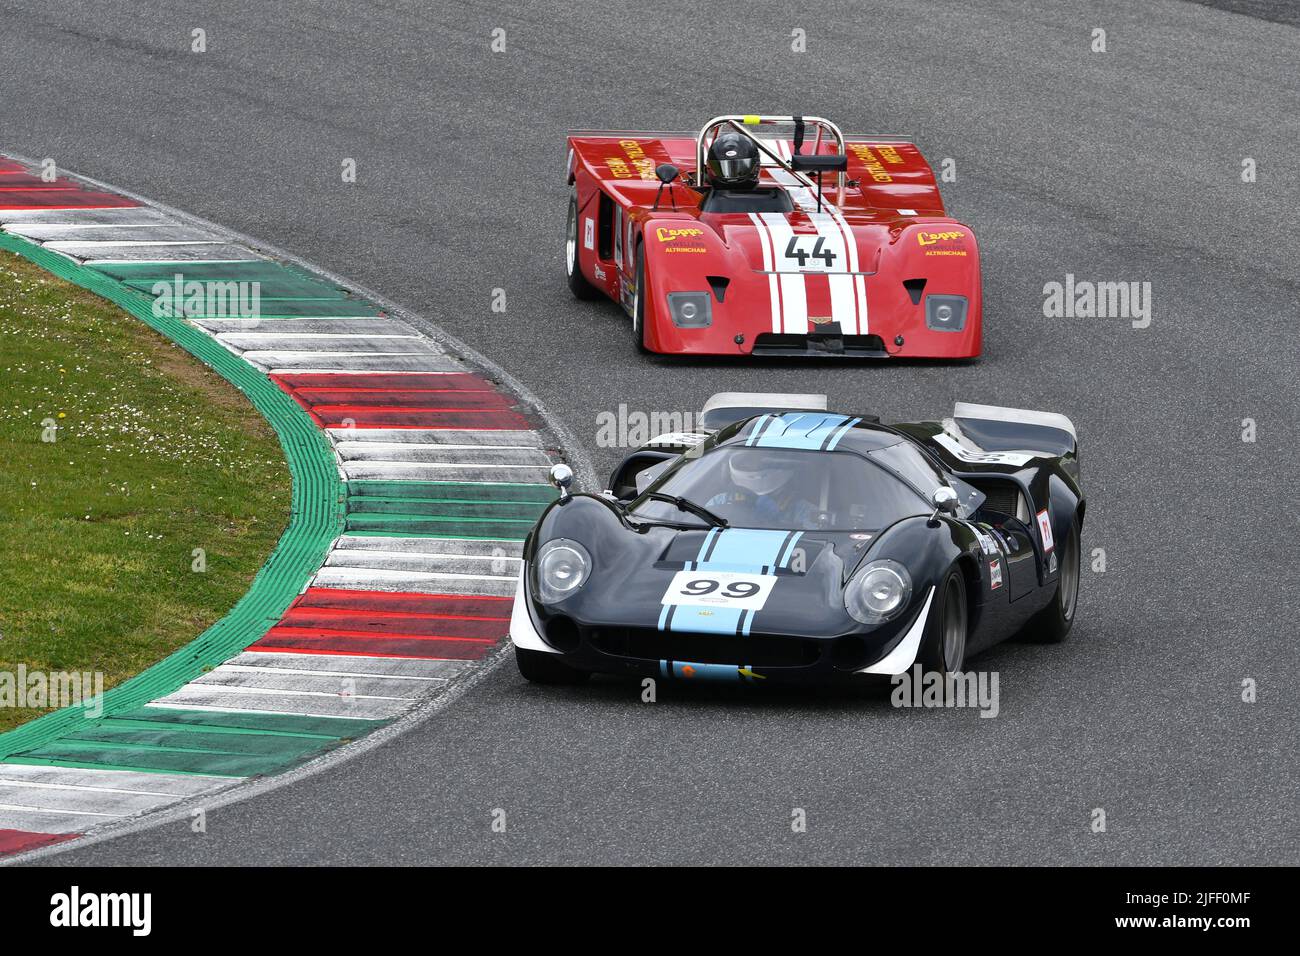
(944, 500)
(562, 478)
(667, 172)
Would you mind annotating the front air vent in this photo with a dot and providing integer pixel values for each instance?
(719, 286)
(915, 288)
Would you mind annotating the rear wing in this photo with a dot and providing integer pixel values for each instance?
(995, 435)
(726, 408)
(889, 171)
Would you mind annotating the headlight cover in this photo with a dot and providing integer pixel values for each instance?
(945, 313)
(690, 310)
(562, 566)
(879, 591)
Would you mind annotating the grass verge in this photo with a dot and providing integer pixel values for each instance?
(154, 457)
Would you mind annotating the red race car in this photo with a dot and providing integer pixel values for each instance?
(772, 235)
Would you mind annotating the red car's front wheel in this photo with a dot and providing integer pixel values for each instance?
(578, 284)
(638, 303)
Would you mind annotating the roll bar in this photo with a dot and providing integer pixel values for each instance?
(738, 122)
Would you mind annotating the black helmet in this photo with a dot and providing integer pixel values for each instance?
(733, 162)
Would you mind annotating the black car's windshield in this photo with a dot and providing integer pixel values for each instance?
(786, 489)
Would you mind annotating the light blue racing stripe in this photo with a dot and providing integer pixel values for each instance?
(726, 672)
(835, 439)
(741, 549)
(704, 620)
(809, 431)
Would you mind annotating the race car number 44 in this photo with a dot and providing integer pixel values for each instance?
(746, 592)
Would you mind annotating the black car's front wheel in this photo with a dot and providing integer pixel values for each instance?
(543, 668)
(943, 649)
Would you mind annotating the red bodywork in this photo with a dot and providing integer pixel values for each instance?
(779, 298)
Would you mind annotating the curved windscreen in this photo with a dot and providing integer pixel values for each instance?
(787, 489)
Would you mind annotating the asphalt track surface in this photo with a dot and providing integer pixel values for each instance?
(1116, 166)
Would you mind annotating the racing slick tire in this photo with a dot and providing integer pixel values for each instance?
(638, 303)
(543, 668)
(943, 649)
(578, 284)
(1052, 624)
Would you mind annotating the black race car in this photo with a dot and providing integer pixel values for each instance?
(785, 542)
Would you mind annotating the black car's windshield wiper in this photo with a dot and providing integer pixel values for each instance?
(684, 504)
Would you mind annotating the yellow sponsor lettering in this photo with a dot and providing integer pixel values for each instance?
(875, 168)
(891, 155)
(930, 238)
(666, 234)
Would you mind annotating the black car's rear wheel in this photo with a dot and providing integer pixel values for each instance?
(944, 647)
(543, 668)
(1053, 623)
(578, 284)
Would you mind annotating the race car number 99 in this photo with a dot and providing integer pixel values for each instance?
(720, 589)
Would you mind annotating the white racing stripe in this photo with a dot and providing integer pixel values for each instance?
(794, 292)
(769, 266)
(833, 227)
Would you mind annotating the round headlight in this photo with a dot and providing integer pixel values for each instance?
(689, 311)
(943, 313)
(878, 592)
(562, 567)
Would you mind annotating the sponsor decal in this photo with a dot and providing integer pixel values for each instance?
(710, 672)
(875, 167)
(1045, 529)
(633, 164)
(726, 589)
(803, 248)
(1016, 459)
(600, 273)
(1051, 565)
(665, 234)
(995, 575)
(987, 544)
(686, 249)
(933, 238)
(678, 438)
(890, 155)
(589, 233)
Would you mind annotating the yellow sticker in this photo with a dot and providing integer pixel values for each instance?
(668, 235)
(751, 119)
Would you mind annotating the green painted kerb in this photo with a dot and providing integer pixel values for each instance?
(316, 518)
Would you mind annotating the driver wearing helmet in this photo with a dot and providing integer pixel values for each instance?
(765, 493)
(733, 162)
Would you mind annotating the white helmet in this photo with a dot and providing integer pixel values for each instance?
(760, 472)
